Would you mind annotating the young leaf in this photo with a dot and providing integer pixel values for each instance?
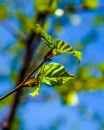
(36, 82)
(41, 5)
(45, 6)
(46, 37)
(55, 74)
(58, 46)
(90, 4)
(62, 47)
(36, 92)
(71, 98)
(33, 82)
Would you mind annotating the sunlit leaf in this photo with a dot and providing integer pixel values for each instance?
(58, 46)
(35, 92)
(36, 82)
(55, 74)
(45, 6)
(70, 98)
(62, 47)
(46, 37)
(90, 4)
(41, 5)
(46, 25)
(53, 5)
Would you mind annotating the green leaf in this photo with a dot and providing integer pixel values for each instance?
(3, 11)
(41, 5)
(53, 5)
(45, 6)
(90, 4)
(55, 74)
(36, 81)
(36, 92)
(58, 46)
(71, 98)
(33, 82)
(46, 37)
(62, 47)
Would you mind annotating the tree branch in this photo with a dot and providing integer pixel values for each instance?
(31, 46)
(13, 30)
(28, 77)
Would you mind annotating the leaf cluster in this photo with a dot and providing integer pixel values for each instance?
(52, 74)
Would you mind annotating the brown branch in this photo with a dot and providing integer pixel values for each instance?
(26, 62)
(47, 57)
(31, 47)
(32, 43)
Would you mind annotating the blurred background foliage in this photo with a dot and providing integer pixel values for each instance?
(78, 22)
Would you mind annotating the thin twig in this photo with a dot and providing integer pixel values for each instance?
(82, 8)
(47, 57)
(13, 30)
(31, 47)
